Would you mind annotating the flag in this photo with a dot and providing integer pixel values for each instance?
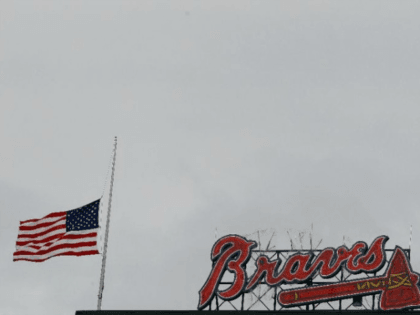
(71, 233)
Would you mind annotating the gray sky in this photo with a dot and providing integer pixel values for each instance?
(237, 115)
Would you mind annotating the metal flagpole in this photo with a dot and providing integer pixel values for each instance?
(101, 284)
(409, 246)
(411, 234)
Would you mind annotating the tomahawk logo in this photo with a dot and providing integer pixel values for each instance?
(397, 287)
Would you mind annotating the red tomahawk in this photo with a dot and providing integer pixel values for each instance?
(398, 287)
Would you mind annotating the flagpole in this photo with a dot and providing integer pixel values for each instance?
(101, 284)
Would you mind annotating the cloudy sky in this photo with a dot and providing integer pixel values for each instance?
(238, 115)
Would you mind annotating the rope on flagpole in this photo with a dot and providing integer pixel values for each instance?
(111, 157)
(107, 172)
(102, 279)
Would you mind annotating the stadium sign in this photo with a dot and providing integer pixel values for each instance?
(397, 287)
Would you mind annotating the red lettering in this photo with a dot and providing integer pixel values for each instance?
(231, 252)
(265, 268)
(375, 257)
(357, 250)
(329, 262)
(294, 269)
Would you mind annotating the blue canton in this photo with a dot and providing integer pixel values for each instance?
(84, 218)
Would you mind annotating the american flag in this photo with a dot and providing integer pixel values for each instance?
(71, 233)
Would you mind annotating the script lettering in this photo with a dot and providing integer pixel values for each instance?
(230, 253)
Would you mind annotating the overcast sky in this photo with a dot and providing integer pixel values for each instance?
(235, 115)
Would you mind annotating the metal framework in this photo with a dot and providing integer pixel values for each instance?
(264, 297)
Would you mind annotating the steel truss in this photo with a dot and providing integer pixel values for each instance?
(264, 297)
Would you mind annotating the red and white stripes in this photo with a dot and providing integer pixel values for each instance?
(41, 239)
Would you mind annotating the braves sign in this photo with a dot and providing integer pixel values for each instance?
(397, 287)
